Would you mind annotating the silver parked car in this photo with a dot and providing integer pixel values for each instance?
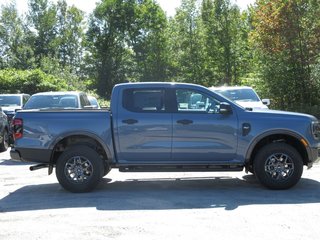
(58, 100)
(94, 102)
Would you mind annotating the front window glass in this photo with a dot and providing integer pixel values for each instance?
(193, 101)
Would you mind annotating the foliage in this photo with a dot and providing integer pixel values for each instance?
(225, 34)
(14, 50)
(126, 40)
(186, 44)
(273, 47)
(286, 35)
(29, 81)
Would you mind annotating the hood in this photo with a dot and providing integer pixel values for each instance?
(10, 108)
(284, 115)
(253, 105)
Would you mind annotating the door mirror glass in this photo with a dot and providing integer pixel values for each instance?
(225, 108)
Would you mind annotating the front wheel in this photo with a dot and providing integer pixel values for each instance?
(278, 166)
(79, 169)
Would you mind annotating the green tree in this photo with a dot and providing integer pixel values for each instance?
(287, 36)
(15, 51)
(30, 81)
(105, 39)
(226, 40)
(126, 41)
(70, 34)
(42, 18)
(186, 44)
(146, 31)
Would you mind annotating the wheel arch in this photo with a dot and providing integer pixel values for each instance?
(80, 138)
(291, 138)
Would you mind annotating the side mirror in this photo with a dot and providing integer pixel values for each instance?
(266, 101)
(225, 108)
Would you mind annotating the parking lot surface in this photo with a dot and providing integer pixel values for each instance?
(156, 206)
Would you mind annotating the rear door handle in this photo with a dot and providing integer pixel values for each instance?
(130, 121)
(185, 121)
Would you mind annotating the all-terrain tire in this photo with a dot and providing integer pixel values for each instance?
(79, 169)
(278, 166)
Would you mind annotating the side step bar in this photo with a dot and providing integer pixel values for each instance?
(184, 168)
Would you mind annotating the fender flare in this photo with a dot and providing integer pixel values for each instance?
(287, 132)
(85, 134)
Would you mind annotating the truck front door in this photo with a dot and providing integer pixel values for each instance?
(201, 133)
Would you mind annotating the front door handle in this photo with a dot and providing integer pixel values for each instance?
(130, 121)
(185, 121)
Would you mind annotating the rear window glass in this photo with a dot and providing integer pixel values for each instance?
(140, 100)
(10, 101)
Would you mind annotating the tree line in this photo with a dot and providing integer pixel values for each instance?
(273, 46)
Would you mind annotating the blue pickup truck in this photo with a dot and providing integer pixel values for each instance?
(166, 127)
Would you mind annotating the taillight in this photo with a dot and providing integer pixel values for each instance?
(17, 125)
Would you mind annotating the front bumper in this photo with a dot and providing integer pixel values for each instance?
(314, 156)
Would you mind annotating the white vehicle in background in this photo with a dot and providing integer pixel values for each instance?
(10, 103)
(244, 96)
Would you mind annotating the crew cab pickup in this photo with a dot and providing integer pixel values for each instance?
(156, 127)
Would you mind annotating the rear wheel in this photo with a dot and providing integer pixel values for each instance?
(278, 166)
(79, 169)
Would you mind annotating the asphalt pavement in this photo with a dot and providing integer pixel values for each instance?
(162, 206)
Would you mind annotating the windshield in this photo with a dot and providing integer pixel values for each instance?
(247, 95)
(52, 101)
(6, 101)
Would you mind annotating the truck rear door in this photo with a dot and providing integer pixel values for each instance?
(144, 126)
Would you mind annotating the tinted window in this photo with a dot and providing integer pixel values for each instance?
(193, 101)
(140, 100)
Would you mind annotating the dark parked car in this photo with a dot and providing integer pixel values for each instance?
(9, 104)
(4, 131)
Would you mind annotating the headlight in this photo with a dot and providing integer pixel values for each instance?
(315, 127)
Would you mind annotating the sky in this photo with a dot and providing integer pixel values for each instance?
(87, 6)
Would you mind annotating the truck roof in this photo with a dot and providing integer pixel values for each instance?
(57, 93)
(158, 84)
